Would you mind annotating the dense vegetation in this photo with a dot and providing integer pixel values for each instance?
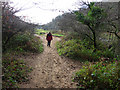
(97, 48)
(83, 49)
(103, 66)
(100, 75)
(15, 71)
(17, 38)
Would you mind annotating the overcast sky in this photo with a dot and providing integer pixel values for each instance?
(43, 11)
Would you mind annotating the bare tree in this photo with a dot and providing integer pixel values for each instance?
(11, 24)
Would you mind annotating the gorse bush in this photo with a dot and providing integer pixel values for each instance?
(99, 76)
(78, 49)
(14, 71)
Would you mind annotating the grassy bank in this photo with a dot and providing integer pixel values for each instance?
(41, 31)
(56, 33)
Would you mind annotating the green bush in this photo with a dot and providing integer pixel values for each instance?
(99, 76)
(78, 49)
(34, 45)
(19, 40)
(14, 71)
(25, 42)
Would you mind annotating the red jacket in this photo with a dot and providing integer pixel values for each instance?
(49, 37)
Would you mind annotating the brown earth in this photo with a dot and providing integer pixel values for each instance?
(49, 69)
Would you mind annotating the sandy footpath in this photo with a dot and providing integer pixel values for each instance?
(49, 69)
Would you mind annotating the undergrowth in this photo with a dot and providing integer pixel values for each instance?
(101, 69)
(99, 76)
(25, 43)
(81, 49)
(15, 71)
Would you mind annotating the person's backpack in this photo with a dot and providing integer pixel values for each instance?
(49, 37)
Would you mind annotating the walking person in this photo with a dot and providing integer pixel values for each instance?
(49, 38)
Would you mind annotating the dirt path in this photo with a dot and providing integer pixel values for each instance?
(50, 70)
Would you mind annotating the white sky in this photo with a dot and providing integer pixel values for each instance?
(45, 11)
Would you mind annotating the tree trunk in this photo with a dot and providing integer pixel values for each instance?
(94, 39)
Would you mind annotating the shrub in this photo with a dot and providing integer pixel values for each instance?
(25, 42)
(34, 45)
(99, 76)
(78, 49)
(14, 71)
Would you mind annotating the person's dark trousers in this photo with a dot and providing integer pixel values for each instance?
(49, 43)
